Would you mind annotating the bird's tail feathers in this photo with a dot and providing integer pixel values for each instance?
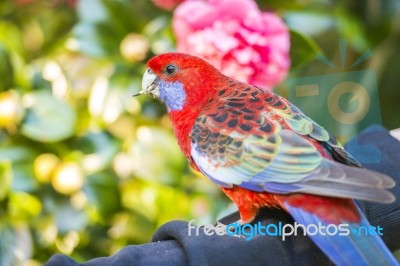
(359, 244)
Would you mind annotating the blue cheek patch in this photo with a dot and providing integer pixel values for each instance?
(172, 94)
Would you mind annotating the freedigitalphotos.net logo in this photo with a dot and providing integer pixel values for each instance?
(249, 231)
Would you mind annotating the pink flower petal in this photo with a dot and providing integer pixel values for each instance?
(197, 14)
(234, 9)
(236, 37)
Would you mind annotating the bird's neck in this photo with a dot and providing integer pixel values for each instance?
(183, 122)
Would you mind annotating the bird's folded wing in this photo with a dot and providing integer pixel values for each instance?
(254, 151)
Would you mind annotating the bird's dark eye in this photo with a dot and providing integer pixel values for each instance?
(170, 69)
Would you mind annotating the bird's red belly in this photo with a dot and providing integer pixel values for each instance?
(330, 210)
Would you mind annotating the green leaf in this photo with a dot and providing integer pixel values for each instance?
(23, 178)
(159, 31)
(17, 153)
(92, 11)
(118, 14)
(352, 29)
(68, 218)
(6, 69)
(103, 191)
(99, 150)
(286, 4)
(102, 26)
(7, 245)
(301, 21)
(5, 178)
(303, 49)
(48, 119)
(11, 37)
(23, 206)
(157, 145)
(97, 40)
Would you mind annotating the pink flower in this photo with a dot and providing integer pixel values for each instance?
(167, 4)
(236, 37)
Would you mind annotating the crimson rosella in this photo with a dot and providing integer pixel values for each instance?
(261, 150)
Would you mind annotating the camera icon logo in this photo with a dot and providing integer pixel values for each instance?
(359, 94)
(344, 103)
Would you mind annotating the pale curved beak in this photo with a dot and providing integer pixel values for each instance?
(149, 84)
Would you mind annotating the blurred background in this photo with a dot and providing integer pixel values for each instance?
(85, 169)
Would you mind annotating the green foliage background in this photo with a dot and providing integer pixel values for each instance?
(84, 168)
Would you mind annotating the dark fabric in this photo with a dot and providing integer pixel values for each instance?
(377, 150)
(171, 244)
